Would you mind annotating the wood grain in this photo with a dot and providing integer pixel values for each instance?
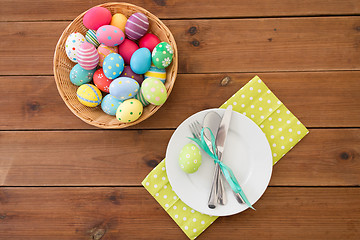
(318, 99)
(38, 10)
(100, 158)
(131, 213)
(211, 46)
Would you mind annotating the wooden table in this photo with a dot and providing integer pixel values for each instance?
(63, 179)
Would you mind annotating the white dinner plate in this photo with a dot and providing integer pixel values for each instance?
(247, 152)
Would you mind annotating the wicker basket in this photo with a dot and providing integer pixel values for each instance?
(63, 65)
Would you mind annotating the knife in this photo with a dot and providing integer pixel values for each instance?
(220, 143)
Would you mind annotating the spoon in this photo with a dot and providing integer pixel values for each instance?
(212, 121)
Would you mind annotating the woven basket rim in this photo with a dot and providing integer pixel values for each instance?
(150, 109)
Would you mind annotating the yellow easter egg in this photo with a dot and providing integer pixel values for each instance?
(129, 111)
(89, 95)
(119, 21)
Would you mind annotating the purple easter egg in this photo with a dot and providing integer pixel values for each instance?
(127, 72)
(136, 26)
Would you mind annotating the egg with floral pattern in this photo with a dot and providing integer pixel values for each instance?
(129, 111)
(154, 91)
(113, 65)
(73, 41)
(162, 55)
(124, 88)
(80, 76)
(110, 104)
(190, 158)
(101, 81)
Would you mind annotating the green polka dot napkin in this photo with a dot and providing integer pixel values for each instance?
(282, 129)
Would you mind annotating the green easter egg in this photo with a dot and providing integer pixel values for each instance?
(154, 91)
(162, 55)
(190, 158)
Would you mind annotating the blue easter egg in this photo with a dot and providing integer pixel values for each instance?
(113, 65)
(110, 104)
(140, 61)
(124, 88)
(80, 76)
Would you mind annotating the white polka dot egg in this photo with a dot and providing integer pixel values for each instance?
(190, 158)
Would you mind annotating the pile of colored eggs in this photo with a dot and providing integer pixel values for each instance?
(118, 59)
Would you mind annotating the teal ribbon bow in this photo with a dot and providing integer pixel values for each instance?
(228, 173)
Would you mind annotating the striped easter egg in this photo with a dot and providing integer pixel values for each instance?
(141, 98)
(91, 38)
(87, 56)
(89, 95)
(157, 73)
(136, 26)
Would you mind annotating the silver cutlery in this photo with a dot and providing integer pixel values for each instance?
(220, 143)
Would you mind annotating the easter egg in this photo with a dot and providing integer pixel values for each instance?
(190, 158)
(101, 81)
(141, 61)
(113, 65)
(119, 20)
(96, 17)
(127, 72)
(154, 91)
(124, 88)
(149, 41)
(89, 95)
(91, 38)
(73, 41)
(136, 26)
(157, 73)
(79, 76)
(110, 104)
(129, 111)
(141, 98)
(87, 56)
(104, 51)
(110, 35)
(162, 55)
(126, 50)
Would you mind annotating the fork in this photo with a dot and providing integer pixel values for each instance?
(195, 129)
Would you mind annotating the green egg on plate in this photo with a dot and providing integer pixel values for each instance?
(190, 158)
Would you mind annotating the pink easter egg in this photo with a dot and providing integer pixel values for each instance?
(149, 41)
(87, 56)
(101, 81)
(96, 17)
(126, 50)
(110, 35)
(136, 26)
(127, 72)
(104, 51)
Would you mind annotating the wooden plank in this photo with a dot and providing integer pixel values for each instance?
(131, 213)
(328, 99)
(205, 46)
(326, 157)
(22, 10)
